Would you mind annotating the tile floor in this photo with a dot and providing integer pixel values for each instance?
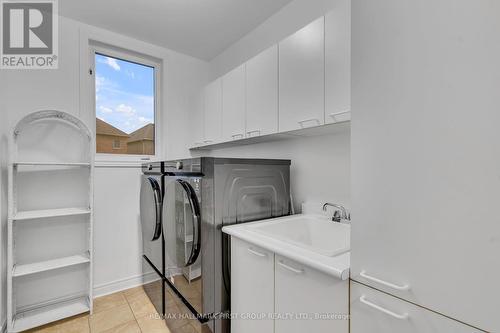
(128, 311)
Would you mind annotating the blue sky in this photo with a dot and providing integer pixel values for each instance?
(124, 93)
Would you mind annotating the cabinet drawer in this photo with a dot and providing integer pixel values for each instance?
(376, 312)
(302, 294)
(252, 288)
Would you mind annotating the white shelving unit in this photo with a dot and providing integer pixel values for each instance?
(51, 173)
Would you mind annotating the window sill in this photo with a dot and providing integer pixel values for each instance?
(118, 164)
(122, 161)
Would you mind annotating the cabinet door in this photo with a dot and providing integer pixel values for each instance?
(425, 174)
(301, 78)
(252, 287)
(262, 93)
(376, 312)
(305, 294)
(213, 112)
(338, 63)
(233, 104)
(198, 121)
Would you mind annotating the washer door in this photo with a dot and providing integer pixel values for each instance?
(151, 226)
(181, 224)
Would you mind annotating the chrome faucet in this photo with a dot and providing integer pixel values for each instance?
(340, 213)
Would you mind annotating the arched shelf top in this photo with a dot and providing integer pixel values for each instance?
(55, 115)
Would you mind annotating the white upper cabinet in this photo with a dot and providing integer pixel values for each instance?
(338, 63)
(233, 104)
(302, 78)
(198, 119)
(262, 93)
(213, 112)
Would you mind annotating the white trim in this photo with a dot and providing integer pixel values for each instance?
(129, 55)
(125, 283)
(122, 47)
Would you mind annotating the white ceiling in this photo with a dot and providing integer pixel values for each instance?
(200, 28)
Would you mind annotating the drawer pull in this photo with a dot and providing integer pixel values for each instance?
(295, 270)
(403, 316)
(258, 254)
(385, 283)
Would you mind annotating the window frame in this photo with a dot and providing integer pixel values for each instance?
(133, 57)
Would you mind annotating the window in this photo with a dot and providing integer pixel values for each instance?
(116, 144)
(125, 104)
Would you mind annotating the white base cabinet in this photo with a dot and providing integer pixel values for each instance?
(270, 293)
(317, 302)
(376, 312)
(252, 287)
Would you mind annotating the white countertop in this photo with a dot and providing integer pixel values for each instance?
(336, 266)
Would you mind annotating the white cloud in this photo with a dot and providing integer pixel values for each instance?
(99, 82)
(144, 120)
(111, 62)
(130, 74)
(125, 109)
(104, 109)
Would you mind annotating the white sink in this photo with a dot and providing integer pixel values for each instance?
(312, 232)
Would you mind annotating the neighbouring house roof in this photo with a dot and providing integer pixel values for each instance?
(103, 128)
(144, 133)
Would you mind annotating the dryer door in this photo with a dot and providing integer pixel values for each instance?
(181, 224)
(151, 226)
(182, 232)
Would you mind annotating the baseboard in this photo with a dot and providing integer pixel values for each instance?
(122, 284)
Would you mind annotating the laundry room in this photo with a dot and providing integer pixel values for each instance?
(233, 166)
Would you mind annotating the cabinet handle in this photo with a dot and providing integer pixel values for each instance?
(295, 270)
(403, 316)
(237, 136)
(334, 115)
(385, 283)
(255, 131)
(301, 122)
(258, 254)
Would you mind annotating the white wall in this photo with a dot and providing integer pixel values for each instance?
(117, 243)
(320, 168)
